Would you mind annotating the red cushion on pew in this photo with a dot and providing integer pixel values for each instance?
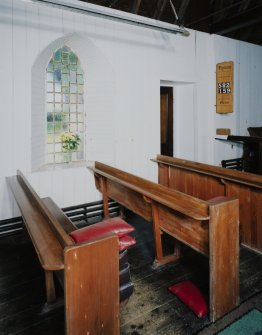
(114, 225)
(191, 296)
(126, 242)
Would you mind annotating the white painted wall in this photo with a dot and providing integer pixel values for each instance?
(123, 67)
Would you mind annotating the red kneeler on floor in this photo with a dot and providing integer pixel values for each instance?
(191, 296)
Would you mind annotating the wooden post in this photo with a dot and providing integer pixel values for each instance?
(50, 287)
(163, 174)
(92, 287)
(160, 258)
(105, 197)
(223, 258)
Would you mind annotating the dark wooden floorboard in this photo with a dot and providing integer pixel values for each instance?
(152, 309)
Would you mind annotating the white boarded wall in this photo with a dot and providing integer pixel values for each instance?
(123, 67)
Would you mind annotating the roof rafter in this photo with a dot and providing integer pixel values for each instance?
(237, 22)
(243, 6)
(135, 6)
(161, 4)
(182, 10)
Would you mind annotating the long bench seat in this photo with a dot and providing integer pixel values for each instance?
(91, 281)
(210, 228)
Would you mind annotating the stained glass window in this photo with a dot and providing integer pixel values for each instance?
(64, 105)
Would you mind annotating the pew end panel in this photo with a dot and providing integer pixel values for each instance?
(92, 287)
(223, 257)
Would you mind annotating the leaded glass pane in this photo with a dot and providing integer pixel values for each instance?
(72, 58)
(80, 98)
(50, 117)
(66, 108)
(50, 66)
(49, 108)
(49, 87)
(58, 117)
(80, 89)
(50, 138)
(65, 89)
(65, 80)
(73, 108)
(57, 56)
(80, 79)
(66, 98)
(72, 117)
(73, 98)
(72, 77)
(64, 104)
(80, 127)
(50, 128)
(73, 127)
(58, 147)
(58, 128)
(57, 75)
(58, 108)
(58, 87)
(80, 108)
(57, 97)
(73, 88)
(65, 117)
(80, 117)
(49, 76)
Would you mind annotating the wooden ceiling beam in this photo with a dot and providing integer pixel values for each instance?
(182, 10)
(160, 6)
(110, 3)
(243, 6)
(135, 7)
(233, 25)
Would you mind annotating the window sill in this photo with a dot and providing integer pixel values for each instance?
(64, 166)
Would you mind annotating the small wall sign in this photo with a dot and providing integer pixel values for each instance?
(224, 87)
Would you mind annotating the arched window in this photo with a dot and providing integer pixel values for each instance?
(64, 107)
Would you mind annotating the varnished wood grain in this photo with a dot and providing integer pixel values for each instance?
(57, 212)
(173, 199)
(224, 258)
(207, 181)
(91, 276)
(92, 305)
(189, 231)
(48, 248)
(211, 236)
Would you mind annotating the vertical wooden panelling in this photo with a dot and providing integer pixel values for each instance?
(92, 272)
(250, 201)
(256, 200)
(223, 258)
(163, 174)
(195, 184)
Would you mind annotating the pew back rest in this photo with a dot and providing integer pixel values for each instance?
(178, 201)
(47, 241)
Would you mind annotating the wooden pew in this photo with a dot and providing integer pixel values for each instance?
(206, 181)
(209, 228)
(90, 270)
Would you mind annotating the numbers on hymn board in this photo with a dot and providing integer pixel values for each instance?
(224, 88)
